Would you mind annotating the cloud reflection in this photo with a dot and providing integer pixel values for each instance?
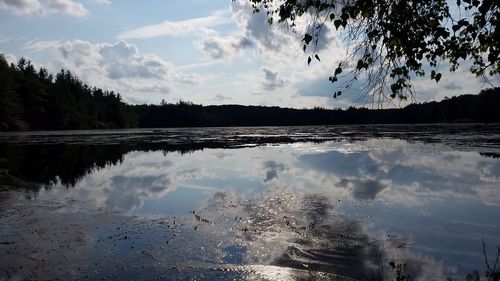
(403, 175)
(289, 206)
(306, 232)
(125, 187)
(272, 169)
(363, 189)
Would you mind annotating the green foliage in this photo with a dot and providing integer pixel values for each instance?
(395, 40)
(466, 108)
(31, 100)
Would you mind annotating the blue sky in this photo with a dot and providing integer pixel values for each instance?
(204, 51)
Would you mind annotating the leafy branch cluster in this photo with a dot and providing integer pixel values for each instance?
(391, 41)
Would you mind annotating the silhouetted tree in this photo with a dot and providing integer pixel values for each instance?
(466, 108)
(390, 42)
(35, 100)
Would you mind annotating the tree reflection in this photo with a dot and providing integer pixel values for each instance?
(286, 211)
(38, 166)
(52, 164)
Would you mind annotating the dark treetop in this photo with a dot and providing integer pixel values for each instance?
(35, 100)
(392, 42)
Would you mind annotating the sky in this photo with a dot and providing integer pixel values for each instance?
(203, 51)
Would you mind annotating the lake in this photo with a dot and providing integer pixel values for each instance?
(373, 202)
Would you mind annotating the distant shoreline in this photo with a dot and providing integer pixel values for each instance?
(161, 129)
(38, 101)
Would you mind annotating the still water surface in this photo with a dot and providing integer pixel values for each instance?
(259, 203)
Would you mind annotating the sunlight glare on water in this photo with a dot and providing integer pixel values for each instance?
(337, 208)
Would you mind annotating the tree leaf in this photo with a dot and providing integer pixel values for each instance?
(307, 38)
(395, 88)
(337, 23)
(438, 77)
(360, 64)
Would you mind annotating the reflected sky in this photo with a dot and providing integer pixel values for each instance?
(327, 206)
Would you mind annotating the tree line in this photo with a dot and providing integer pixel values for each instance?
(36, 100)
(33, 99)
(464, 109)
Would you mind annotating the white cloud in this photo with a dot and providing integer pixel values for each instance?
(66, 6)
(451, 84)
(221, 97)
(119, 67)
(278, 46)
(274, 43)
(177, 28)
(20, 7)
(10, 58)
(40, 45)
(245, 58)
(256, 43)
(218, 47)
(271, 80)
(27, 7)
(103, 2)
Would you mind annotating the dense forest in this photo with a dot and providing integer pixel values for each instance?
(466, 108)
(36, 100)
